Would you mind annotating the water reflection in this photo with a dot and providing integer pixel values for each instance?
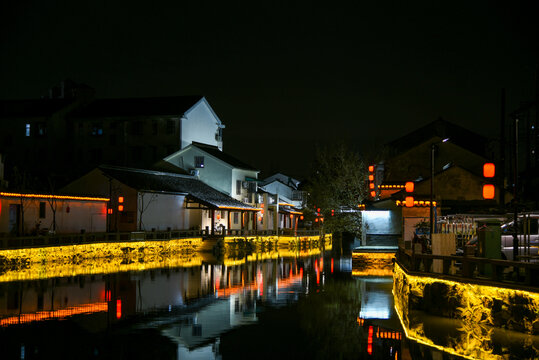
(267, 305)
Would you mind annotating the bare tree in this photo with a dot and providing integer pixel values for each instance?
(142, 206)
(337, 186)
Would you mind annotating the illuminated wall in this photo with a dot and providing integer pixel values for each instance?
(473, 304)
(382, 222)
(72, 216)
(200, 124)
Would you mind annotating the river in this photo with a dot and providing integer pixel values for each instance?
(312, 304)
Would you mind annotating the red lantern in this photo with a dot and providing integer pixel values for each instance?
(409, 201)
(488, 191)
(120, 199)
(489, 169)
(371, 186)
(120, 208)
(371, 168)
(371, 177)
(409, 186)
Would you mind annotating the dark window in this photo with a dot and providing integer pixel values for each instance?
(136, 153)
(41, 129)
(219, 135)
(112, 140)
(236, 218)
(42, 207)
(95, 155)
(199, 161)
(171, 127)
(238, 187)
(154, 127)
(136, 127)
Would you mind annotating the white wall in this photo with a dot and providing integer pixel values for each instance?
(381, 222)
(214, 173)
(163, 211)
(200, 124)
(89, 216)
(240, 174)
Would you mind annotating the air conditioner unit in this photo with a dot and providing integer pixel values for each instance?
(247, 199)
(194, 172)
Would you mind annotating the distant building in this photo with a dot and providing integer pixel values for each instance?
(284, 186)
(69, 132)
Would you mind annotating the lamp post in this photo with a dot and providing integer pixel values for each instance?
(432, 149)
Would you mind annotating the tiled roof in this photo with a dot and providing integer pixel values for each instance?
(32, 108)
(161, 182)
(173, 105)
(229, 159)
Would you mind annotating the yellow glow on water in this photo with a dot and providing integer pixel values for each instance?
(372, 264)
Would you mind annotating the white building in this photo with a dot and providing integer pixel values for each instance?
(37, 214)
(219, 170)
(147, 200)
(284, 186)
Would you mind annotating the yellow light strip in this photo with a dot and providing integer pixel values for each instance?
(58, 197)
(238, 208)
(387, 187)
(419, 203)
(285, 204)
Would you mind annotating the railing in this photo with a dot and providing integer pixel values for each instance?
(465, 268)
(88, 238)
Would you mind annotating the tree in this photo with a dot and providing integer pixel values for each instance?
(142, 206)
(338, 183)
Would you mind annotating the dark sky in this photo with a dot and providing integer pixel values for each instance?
(284, 76)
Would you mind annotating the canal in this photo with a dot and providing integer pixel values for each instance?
(311, 304)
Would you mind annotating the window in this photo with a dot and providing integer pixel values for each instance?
(154, 127)
(238, 187)
(236, 218)
(112, 140)
(219, 134)
(199, 162)
(42, 208)
(97, 129)
(41, 129)
(27, 131)
(136, 153)
(171, 127)
(136, 127)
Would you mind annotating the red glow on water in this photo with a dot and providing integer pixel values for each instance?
(301, 272)
(118, 308)
(332, 265)
(369, 340)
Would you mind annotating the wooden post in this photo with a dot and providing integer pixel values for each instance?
(212, 212)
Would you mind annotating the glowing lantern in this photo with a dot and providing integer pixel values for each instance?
(409, 186)
(371, 186)
(373, 193)
(301, 217)
(316, 220)
(332, 212)
(371, 168)
(291, 216)
(109, 211)
(488, 191)
(371, 177)
(409, 201)
(120, 208)
(489, 169)
(120, 199)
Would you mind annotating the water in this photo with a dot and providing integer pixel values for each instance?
(270, 305)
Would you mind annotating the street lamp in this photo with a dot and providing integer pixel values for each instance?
(432, 148)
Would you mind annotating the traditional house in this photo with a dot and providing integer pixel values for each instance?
(284, 186)
(218, 169)
(69, 132)
(152, 200)
(37, 214)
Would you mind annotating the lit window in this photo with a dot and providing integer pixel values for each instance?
(27, 133)
(199, 161)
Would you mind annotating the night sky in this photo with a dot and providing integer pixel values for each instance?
(285, 76)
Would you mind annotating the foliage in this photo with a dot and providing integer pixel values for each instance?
(338, 183)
